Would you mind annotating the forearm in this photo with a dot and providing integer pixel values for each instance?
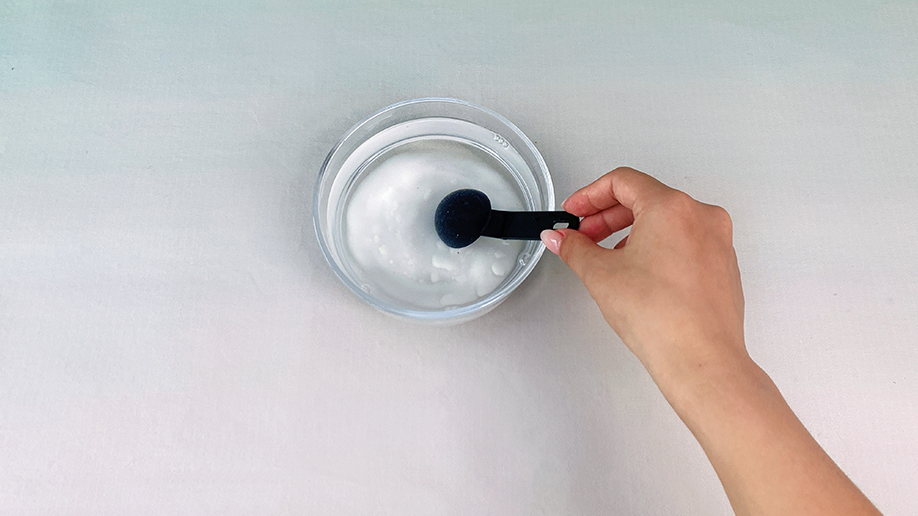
(766, 460)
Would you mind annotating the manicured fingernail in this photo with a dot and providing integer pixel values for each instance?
(551, 239)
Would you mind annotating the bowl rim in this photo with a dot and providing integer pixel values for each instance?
(456, 314)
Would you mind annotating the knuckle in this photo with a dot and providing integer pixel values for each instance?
(722, 218)
(680, 204)
(578, 258)
(567, 250)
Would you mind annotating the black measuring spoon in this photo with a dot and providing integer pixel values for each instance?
(465, 215)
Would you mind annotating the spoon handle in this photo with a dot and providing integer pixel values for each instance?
(526, 225)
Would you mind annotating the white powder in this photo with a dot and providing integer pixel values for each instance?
(389, 225)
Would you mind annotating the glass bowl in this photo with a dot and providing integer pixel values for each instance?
(377, 192)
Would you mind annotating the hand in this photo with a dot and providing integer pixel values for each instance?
(672, 292)
(671, 289)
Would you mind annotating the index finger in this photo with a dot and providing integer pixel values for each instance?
(623, 185)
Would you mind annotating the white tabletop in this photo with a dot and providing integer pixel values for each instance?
(172, 341)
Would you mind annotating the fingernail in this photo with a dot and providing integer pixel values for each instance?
(551, 239)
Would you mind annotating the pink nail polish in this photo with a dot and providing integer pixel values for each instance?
(551, 239)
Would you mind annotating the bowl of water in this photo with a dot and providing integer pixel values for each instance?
(377, 193)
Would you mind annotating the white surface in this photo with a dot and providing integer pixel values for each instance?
(171, 340)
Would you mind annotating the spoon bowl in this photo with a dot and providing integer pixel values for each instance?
(464, 215)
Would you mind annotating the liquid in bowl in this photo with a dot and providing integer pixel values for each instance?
(377, 193)
(390, 234)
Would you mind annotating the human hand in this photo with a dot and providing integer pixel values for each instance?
(671, 290)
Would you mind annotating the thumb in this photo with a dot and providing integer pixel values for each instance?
(577, 250)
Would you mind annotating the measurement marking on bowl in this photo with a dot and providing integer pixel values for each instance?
(501, 141)
(524, 258)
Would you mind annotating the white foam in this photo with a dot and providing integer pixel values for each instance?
(389, 224)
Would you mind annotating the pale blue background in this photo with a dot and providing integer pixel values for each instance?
(172, 342)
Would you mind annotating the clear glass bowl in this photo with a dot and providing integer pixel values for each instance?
(395, 129)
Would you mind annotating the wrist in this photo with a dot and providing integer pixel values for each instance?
(690, 384)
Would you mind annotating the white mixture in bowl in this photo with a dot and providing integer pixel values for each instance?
(389, 225)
